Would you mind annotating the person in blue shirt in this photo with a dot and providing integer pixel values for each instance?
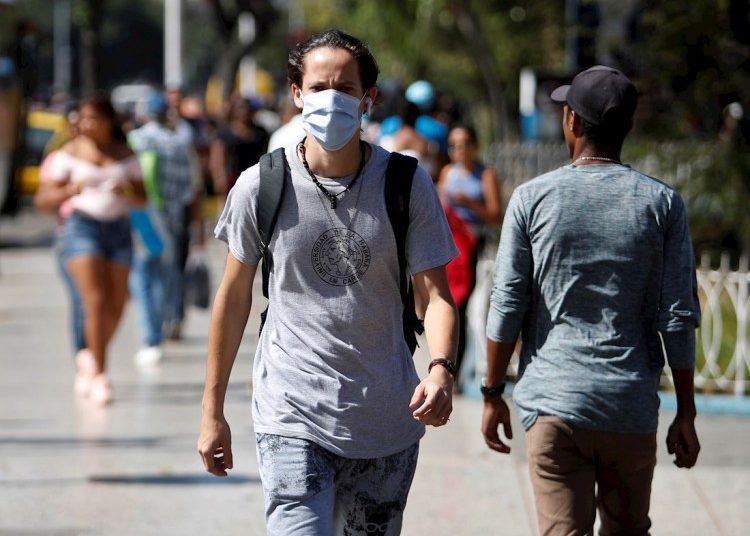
(470, 193)
(596, 271)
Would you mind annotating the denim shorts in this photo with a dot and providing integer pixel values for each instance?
(83, 236)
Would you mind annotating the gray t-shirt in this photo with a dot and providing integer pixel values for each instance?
(332, 365)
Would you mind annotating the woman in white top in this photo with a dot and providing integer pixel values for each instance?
(101, 176)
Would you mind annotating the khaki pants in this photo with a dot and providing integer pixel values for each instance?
(575, 471)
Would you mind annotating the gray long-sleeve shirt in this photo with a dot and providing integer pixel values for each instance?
(594, 262)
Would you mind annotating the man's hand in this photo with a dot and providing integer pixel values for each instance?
(495, 413)
(215, 445)
(433, 398)
(682, 441)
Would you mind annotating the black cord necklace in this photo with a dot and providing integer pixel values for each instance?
(333, 198)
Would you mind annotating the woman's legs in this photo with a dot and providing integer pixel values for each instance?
(84, 359)
(90, 276)
(103, 289)
(98, 257)
(76, 305)
(117, 296)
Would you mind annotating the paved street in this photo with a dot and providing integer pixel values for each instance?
(67, 468)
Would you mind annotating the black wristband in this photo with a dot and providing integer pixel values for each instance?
(447, 363)
(495, 391)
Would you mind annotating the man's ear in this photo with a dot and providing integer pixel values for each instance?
(297, 96)
(369, 100)
(575, 124)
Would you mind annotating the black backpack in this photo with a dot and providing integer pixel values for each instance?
(399, 176)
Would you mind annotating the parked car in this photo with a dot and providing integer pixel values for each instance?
(44, 130)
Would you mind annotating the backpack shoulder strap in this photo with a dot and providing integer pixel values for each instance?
(273, 172)
(399, 176)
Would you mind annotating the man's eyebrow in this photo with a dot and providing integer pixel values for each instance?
(346, 84)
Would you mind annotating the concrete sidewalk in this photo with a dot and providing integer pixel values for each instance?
(68, 468)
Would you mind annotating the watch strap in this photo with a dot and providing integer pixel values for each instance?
(496, 390)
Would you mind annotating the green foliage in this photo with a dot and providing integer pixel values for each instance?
(714, 181)
(272, 53)
(689, 62)
(693, 59)
(692, 64)
(38, 11)
(414, 39)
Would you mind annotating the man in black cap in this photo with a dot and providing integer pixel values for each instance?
(596, 271)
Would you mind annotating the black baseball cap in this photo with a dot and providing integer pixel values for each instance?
(601, 95)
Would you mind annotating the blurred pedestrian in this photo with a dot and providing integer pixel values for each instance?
(406, 140)
(175, 186)
(101, 176)
(431, 124)
(238, 145)
(51, 197)
(193, 115)
(182, 109)
(471, 198)
(596, 264)
(338, 408)
(291, 130)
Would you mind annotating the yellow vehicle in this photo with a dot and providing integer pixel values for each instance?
(45, 131)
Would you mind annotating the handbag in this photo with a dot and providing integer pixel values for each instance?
(461, 271)
(197, 282)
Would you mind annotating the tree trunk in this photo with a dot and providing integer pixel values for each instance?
(234, 48)
(483, 55)
(229, 63)
(91, 49)
(222, 20)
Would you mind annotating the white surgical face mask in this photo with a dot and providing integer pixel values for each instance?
(332, 117)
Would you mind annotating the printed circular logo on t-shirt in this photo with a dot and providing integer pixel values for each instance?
(340, 257)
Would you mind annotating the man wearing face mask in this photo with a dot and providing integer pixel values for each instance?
(338, 407)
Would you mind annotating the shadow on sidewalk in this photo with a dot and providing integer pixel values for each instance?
(175, 479)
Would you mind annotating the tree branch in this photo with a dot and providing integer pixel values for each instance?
(469, 28)
(224, 23)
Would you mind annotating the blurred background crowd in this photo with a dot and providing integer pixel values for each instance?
(489, 64)
(464, 87)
